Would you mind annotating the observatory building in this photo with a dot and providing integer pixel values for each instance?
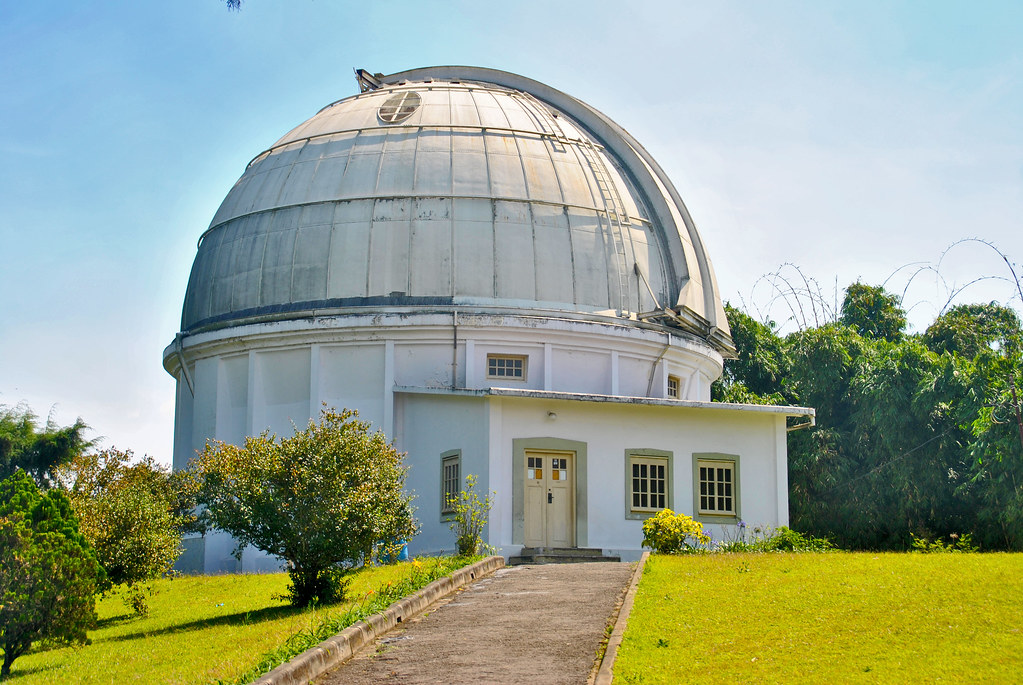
(506, 283)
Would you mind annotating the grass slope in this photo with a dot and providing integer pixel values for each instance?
(200, 629)
(862, 617)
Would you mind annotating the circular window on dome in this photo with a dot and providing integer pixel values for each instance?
(399, 107)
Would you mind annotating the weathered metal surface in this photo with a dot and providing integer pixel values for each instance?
(481, 193)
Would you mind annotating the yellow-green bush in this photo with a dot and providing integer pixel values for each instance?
(672, 533)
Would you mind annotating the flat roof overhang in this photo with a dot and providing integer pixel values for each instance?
(610, 399)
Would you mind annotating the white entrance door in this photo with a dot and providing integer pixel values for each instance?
(549, 506)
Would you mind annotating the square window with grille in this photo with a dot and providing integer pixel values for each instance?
(534, 467)
(451, 481)
(673, 387)
(716, 487)
(505, 366)
(559, 469)
(649, 483)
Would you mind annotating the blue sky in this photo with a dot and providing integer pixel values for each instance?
(849, 139)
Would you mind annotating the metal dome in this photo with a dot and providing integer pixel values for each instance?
(455, 187)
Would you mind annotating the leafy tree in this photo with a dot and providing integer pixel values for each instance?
(997, 445)
(38, 450)
(887, 457)
(905, 426)
(872, 312)
(321, 499)
(125, 509)
(823, 497)
(755, 376)
(973, 329)
(49, 574)
(821, 364)
(917, 436)
(189, 517)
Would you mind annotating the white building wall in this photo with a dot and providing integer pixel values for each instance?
(353, 376)
(431, 425)
(185, 405)
(427, 363)
(340, 358)
(277, 376)
(609, 429)
(634, 376)
(204, 405)
(781, 475)
(585, 371)
(281, 400)
(233, 399)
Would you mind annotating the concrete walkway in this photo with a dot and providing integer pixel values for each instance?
(526, 624)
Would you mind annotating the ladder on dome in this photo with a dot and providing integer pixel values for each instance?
(614, 209)
(617, 217)
(547, 122)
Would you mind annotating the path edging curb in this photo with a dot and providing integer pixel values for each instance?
(605, 673)
(334, 651)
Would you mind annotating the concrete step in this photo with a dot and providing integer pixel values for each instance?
(548, 555)
(574, 551)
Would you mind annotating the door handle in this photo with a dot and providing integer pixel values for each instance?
(550, 497)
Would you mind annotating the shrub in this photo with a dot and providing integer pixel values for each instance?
(321, 499)
(767, 539)
(741, 539)
(672, 533)
(470, 517)
(784, 539)
(125, 512)
(49, 575)
(957, 544)
(136, 598)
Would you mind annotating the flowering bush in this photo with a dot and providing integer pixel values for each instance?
(470, 518)
(672, 533)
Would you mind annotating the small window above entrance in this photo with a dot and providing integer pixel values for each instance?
(507, 366)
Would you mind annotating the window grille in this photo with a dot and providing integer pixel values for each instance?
(399, 107)
(506, 366)
(673, 387)
(451, 482)
(717, 485)
(649, 483)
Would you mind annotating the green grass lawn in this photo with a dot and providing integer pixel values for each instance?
(726, 618)
(200, 629)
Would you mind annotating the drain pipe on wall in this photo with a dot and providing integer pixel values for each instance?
(806, 424)
(454, 349)
(653, 367)
(178, 337)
